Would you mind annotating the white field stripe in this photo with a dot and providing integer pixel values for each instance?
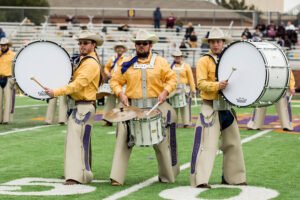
(25, 129)
(154, 179)
(28, 106)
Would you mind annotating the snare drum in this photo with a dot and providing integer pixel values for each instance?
(178, 100)
(104, 90)
(261, 76)
(47, 62)
(147, 130)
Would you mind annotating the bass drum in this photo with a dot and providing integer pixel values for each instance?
(45, 61)
(259, 73)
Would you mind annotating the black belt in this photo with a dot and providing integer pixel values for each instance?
(1, 76)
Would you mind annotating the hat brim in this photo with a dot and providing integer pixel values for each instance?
(9, 44)
(121, 46)
(96, 38)
(153, 39)
(177, 55)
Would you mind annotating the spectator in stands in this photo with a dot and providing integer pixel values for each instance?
(157, 17)
(2, 33)
(271, 33)
(193, 40)
(262, 28)
(284, 41)
(204, 45)
(189, 30)
(257, 35)
(290, 26)
(124, 27)
(271, 30)
(293, 36)
(183, 47)
(170, 21)
(246, 33)
(104, 30)
(280, 30)
(178, 25)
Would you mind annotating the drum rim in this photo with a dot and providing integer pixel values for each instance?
(19, 52)
(266, 78)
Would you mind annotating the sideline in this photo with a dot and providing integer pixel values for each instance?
(26, 129)
(154, 179)
(30, 106)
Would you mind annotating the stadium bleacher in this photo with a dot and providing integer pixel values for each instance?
(23, 33)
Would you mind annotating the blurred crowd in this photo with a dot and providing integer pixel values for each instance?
(284, 34)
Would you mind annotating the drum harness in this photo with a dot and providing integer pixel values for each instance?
(221, 106)
(144, 102)
(76, 62)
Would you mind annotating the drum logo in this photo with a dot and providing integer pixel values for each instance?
(42, 93)
(241, 100)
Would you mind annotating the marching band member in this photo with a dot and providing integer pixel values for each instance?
(109, 69)
(214, 122)
(185, 81)
(283, 108)
(7, 83)
(62, 110)
(149, 80)
(82, 90)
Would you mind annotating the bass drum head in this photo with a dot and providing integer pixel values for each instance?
(247, 82)
(47, 62)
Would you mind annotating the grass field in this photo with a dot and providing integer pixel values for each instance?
(272, 161)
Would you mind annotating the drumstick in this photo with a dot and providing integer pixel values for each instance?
(290, 99)
(232, 70)
(32, 78)
(195, 99)
(154, 107)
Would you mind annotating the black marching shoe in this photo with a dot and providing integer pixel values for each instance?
(204, 185)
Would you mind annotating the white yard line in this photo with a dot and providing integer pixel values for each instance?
(29, 106)
(154, 179)
(25, 129)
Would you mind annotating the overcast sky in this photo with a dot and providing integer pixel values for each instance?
(289, 4)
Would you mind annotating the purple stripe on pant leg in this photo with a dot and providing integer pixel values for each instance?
(253, 115)
(206, 125)
(86, 146)
(78, 121)
(289, 109)
(173, 144)
(13, 100)
(168, 118)
(196, 147)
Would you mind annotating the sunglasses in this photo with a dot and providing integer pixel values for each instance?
(142, 43)
(84, 43)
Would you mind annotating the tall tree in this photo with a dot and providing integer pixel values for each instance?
(17, 15)
(235, 4)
